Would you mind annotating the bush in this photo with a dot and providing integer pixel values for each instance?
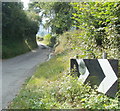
(66, 92)
(51, 40)
(18, 25)
(39, 38)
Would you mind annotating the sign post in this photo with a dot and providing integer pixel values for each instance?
(100, 72)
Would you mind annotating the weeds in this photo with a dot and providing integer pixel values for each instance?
(67, 92)
(52, 87)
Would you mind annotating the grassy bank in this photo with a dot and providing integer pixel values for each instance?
(52, 87)
(15, 48)
(19, 29)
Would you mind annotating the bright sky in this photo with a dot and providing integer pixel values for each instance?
(25, 3)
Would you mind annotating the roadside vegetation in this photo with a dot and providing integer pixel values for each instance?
(96, 30)
(53, 87)
(49, 40)
(19, 28)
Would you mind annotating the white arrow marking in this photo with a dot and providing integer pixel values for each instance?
(110, 78)
(84, 76)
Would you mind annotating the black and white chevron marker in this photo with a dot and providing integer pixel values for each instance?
(100, 72)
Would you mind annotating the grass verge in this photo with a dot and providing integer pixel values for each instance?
(52, 87)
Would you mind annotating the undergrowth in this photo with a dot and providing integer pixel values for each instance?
(49, 40)
(52, 87)
(65, 92)
(16, 48)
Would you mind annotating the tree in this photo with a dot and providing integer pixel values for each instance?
(59, 14)
(18, 26)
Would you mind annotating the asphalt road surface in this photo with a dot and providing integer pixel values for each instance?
(16, 70)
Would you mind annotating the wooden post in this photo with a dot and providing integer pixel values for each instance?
(104, 56)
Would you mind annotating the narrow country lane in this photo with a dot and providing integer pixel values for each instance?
(16, 70)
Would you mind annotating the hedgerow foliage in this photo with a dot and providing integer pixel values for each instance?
(67, 92)
(19, 29)
(101, 24)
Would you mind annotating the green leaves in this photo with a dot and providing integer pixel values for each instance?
(99, 20)
(59, 14)
(17, 27)
(67, 92)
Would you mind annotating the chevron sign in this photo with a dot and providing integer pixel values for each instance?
(100, 72)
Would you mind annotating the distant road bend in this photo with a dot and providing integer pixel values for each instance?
(16, 70)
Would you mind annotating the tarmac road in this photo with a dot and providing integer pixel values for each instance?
(16, 70)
